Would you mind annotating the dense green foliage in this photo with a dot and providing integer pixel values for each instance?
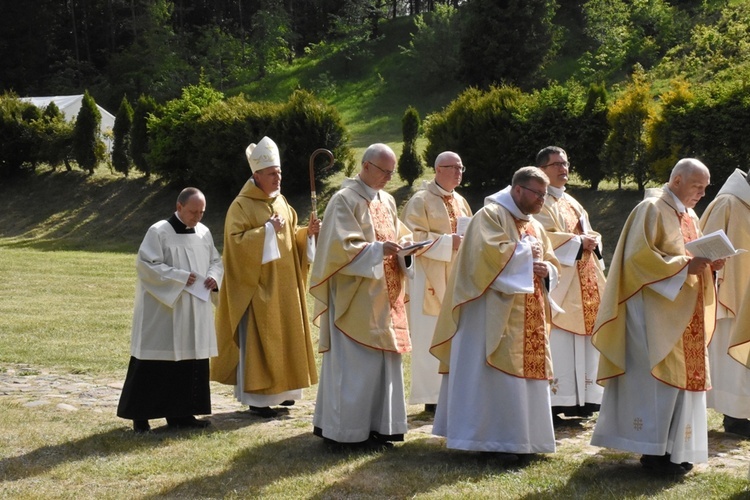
(506, 41)
(88, 150)
(410, 167)
(54, 138)
(121, 146)
(434, 46)
(139, 147)
(16, 137)
(614, 124)
(157, 47)
(200, 138)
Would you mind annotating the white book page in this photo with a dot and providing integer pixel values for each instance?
(713, 246)
(198, 289)
(462, 223)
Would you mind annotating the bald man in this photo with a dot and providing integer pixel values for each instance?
(655, 320)
(433, 214)
(358, 284)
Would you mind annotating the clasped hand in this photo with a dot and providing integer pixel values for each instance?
(277, 222)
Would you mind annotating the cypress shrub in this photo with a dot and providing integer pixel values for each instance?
(139, 146)
(410, 167)
(121, 147)
(86, 148)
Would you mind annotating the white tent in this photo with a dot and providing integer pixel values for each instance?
(69, 105)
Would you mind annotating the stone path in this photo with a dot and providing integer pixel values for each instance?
(42, 388)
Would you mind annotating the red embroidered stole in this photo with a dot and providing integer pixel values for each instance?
(535, 329)
(453, 211)
(586, 269)
(385, 230)
(693, 338)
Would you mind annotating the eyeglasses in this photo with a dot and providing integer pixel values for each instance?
(539, 195)
(457, 168)
(558, 164)
(387, 173)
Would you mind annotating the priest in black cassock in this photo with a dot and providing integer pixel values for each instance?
(173, 336)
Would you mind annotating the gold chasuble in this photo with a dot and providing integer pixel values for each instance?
(382, 221)
(370, 311)
(279, 353)
(578, 293)
(516, 324)
(431, 214)
(651, 249)
(730, 211)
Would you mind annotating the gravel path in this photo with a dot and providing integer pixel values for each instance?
(42, 388)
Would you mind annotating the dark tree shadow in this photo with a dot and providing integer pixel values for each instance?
(116, 442)
(603, 477)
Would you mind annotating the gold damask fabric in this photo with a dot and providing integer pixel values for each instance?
(652, 249)
(515, 342)
(534, 323)
(690, 350)
(361, 306)
(279, 354)
(385, 231)
(580, 288)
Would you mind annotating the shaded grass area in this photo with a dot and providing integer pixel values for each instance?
(60, 454)
(108, 213)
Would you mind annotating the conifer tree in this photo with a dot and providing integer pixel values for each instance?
(86, 149)
(121, 148)
(409, 165)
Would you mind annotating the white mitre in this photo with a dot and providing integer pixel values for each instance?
(263, 155)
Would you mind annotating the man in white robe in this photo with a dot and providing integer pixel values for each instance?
(492, 332)
(730, 380)
(436, 213)
(357, 280)
(575, 392)
(655, 320)
(173, 336)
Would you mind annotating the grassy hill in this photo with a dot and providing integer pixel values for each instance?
(106, 212)
(371, 90)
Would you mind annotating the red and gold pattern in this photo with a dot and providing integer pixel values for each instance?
(586, 269)
(693, 339)
(382, 221)
(453, 211)
(535, 329)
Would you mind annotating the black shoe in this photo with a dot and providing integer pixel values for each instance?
(268, 412)
(660, 465)
(430, 408)
(288, 402)
(377, 443)
(739, 426)
(141, 426)
(687, 466)
(187, 423)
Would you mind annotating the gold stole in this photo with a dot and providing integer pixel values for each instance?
(586, 269)
(453, 211)
(693, 338)
(382, 222)
(534, 325)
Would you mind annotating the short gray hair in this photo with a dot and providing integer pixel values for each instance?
(188, 193)
(526, 174)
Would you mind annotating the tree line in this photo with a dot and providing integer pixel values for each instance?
(632, 129)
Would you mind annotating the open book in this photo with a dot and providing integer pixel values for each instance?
(408, 250)
(713, 246)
